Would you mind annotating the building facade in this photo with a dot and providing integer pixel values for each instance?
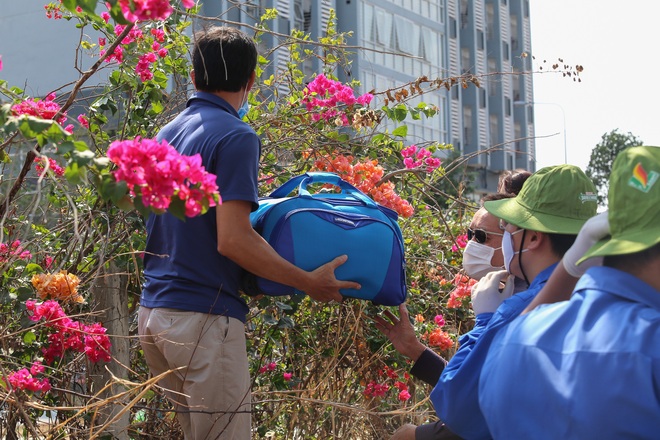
(402, 40)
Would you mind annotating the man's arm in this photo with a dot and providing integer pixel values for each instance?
(238, 241)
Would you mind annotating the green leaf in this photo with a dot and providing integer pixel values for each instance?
(286, 322)
(401, 131)
(400, 112)
(29, 337)
(177, 208)
(82, 157)
(74, 173)
(113, 190)
(33, 268)
(283, 306)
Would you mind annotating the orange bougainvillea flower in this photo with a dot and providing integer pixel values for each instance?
(440, 338)
(61, 286)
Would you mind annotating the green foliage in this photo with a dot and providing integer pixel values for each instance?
(85, 222)
(602, 157)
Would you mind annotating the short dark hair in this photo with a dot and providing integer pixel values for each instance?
(223, 59)
(560, 243)
(511, 182)
(496, 196)
(631, 262)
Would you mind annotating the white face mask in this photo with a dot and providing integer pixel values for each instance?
(507, 248)
(477, 258)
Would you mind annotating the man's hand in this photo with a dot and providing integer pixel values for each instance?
(401, 333)
(406, 432)
(486, 294)
(324, 286)
(595, 229)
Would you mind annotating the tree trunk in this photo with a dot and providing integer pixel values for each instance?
(109, 294)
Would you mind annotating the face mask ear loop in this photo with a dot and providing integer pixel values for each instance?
(522, 242)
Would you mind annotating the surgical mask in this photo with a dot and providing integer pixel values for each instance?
(245, 107)
(243, 110)
(477, 258)
(507, 248)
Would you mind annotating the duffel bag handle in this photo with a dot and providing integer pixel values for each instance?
(311, 177)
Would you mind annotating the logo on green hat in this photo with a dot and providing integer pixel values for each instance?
(588, 197)
(642, 180)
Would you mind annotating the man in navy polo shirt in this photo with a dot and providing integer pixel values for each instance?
(191, 317)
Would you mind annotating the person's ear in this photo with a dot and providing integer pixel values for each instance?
(535, 239)
(253, 78)
(192, 78)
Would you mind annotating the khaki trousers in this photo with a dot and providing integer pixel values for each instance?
(211, 394)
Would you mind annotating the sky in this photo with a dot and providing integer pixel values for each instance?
(617, 44)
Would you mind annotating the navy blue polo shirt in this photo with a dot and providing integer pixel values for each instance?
(182, 266)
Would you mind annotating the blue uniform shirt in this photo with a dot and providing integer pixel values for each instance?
(588, 368)
(182, 266)
(455, 396)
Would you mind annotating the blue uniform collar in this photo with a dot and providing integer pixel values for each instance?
(619, 283)
(205, 97)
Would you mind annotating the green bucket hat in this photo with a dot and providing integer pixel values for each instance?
(555, 200)
(633, 204)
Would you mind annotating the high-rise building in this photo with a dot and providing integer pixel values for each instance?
(402, 40)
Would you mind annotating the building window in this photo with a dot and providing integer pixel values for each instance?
(467, 125)
(480, 39)
(482, 98)
(507, 106)
(452, 28)
(383, 27)
(407, 36)
(505, 51)
(466, 62)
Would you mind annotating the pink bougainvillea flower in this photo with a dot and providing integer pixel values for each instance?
(287, 376)
(45, 108)
(144, 10)
(159, 173)
(188, 3)
(439, 320)
(26, 380)
(0, 62)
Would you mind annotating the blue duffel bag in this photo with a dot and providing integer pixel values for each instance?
(310, 230)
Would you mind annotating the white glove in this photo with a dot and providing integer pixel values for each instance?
(596, 228)
(486, 294)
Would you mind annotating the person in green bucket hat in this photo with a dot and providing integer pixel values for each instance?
(589, 367)
(540, 224)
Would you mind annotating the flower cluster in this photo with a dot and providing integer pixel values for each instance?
(461, 242)
(271, 367)
(463, 287)
(45, 108)
(13, 250)
(142, 10)
(61, 286)
(68, 334)
(327, 95)
(415, 157)
(39, 165)
(25, 379)
(157, 173)
(378, 389)
(366, 177)
(54, 10)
